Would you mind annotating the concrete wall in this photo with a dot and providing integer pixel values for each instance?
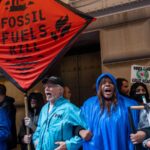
(125, 45)
(93, 5)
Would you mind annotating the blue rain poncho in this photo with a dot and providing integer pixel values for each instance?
(111, 131)
(4, 129)
(58, 126)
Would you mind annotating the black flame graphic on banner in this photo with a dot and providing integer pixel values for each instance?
(62, 27)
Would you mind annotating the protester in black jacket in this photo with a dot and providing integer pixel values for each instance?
(35, 103)
(7, 103)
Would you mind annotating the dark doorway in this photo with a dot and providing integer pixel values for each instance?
(80, 67)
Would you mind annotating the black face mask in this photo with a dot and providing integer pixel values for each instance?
(139, 97)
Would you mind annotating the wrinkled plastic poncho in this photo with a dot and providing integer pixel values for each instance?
(111, 131)
(4, 129)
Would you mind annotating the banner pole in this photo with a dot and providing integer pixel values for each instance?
(27, 115)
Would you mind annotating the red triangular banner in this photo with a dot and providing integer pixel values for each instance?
(33, 35)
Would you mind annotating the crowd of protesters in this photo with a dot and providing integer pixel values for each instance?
(102, 123)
